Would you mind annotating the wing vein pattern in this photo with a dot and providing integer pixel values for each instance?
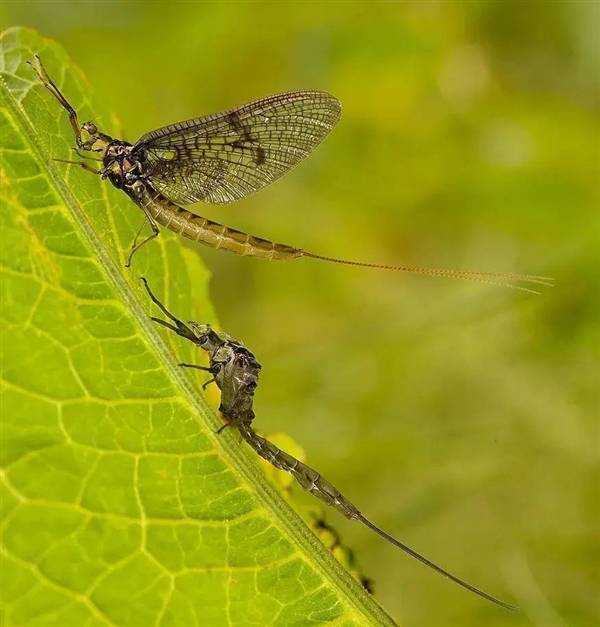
(226, 156)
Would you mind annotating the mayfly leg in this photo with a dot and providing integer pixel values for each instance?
(142, 203)
(135, 246)
(88, 157)
(179, 327)
(82, 164)
(197, 367)
(55, 91)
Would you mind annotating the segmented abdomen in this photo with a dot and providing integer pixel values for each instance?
(308, 478)
(213, 234)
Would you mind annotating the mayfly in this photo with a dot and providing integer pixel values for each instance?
(235, 371)
(222, 158)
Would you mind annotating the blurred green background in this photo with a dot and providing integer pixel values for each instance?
(462, 418)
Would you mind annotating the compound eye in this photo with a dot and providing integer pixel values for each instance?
(91, 128)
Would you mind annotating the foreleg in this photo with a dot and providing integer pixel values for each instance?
(155, 231)
(85, 166)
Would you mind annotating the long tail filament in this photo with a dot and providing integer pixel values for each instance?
(493, 278)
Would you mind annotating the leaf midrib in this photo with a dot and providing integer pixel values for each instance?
(280, 511)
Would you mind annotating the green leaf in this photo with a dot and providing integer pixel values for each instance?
(120, 504)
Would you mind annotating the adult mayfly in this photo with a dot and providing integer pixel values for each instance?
(235, 371)
(222, 158)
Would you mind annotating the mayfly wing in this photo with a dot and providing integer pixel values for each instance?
(226, 156)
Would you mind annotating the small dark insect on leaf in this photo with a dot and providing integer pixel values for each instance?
(235, 370)
(221, 158)
(323, 530)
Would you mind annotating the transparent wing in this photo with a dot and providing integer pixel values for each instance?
(227, 156)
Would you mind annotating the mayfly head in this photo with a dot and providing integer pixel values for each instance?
(206, 338)
(93, 140)
(90, 128)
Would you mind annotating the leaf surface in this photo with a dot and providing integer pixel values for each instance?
(120, 505)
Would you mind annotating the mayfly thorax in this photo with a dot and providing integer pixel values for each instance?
(222, 158)
(235, 371)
